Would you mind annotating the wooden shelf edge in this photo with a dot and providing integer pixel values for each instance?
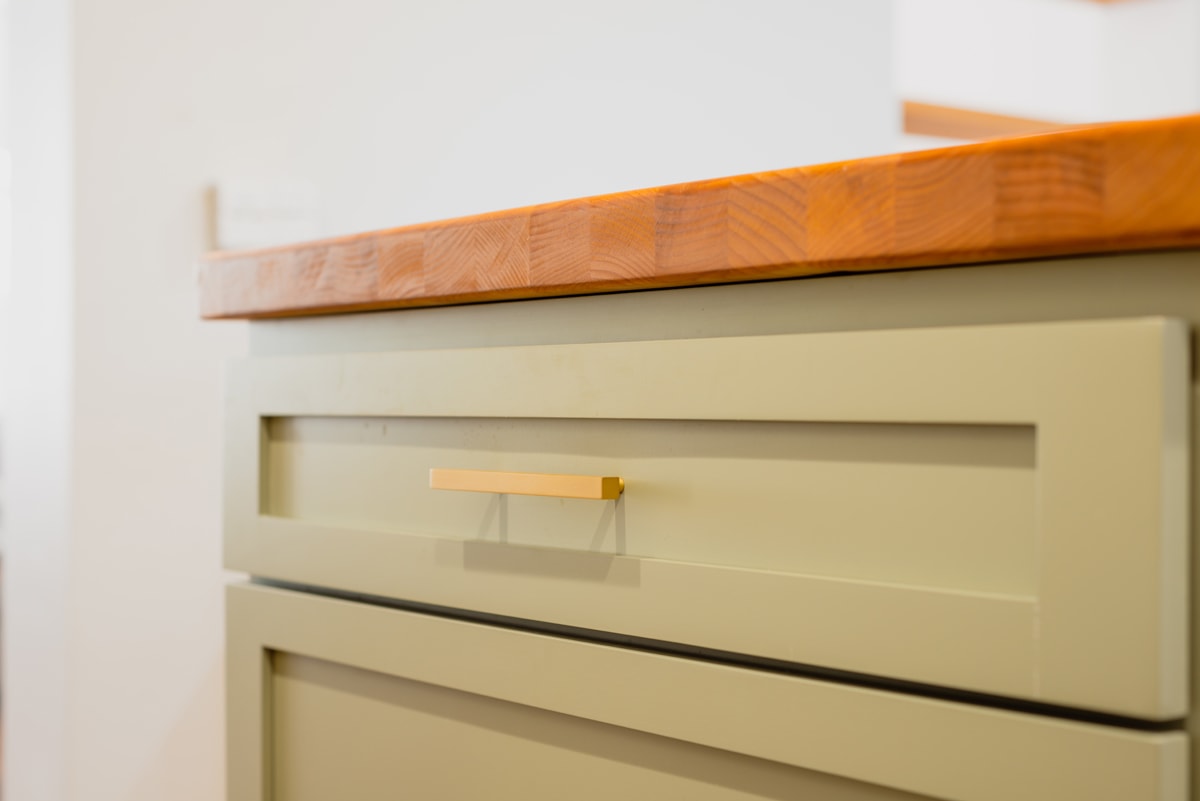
(930, 119)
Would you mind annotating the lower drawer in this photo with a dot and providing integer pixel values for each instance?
(334, 699)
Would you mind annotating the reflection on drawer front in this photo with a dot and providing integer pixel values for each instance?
(407, 708)
(999, 509)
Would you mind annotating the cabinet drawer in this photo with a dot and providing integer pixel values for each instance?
(420, 706)
(998, 509)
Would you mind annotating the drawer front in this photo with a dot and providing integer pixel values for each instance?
(1000, 509)
(427, 707)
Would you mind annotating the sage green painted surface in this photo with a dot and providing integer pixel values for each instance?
(1018, 601)
(1160, 284)
(332, 699)
(837, 500)
(342, 732)
(1055, 290)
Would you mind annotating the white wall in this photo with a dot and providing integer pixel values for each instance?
(1028, 58)
(1059, 60)
(38, 421)
(1152, 59)
(464, 107)
(124, 112)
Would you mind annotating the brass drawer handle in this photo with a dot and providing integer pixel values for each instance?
(597, 488)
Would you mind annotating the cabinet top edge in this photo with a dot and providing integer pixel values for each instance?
(1108, 188)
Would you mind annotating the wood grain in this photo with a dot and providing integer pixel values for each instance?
(1097, 189)
(928, 119)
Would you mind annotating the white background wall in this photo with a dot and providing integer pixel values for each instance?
(124, 112)
(1060, 60)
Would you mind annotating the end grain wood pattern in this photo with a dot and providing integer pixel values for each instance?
(1097, 189)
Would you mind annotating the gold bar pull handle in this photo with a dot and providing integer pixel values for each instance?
(555, 485)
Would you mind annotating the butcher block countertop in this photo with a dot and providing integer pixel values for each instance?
(1087, 190)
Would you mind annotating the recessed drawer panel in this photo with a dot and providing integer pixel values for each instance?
(417, 706)
(999, 509)
(937, 506)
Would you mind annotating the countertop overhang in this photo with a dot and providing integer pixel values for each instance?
(1088, 190)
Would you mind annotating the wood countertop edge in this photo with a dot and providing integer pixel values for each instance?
(1086, 190)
